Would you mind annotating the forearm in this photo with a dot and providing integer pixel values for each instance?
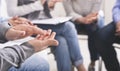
(14, 9)
(14, 55)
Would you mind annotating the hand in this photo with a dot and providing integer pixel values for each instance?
(23, 30)
(84, 20)
(19, 20)
(42, 1)
(117, 29)
(92, 16)
(42, 42)
(51, 3)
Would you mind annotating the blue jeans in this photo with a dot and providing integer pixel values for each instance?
(67, 52)
(34, 63)
(105, 38)
(90, 30)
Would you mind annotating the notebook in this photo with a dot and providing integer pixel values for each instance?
(52, 21)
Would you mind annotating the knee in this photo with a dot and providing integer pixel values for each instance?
(70, 25)
(33, 65)
(42, 66)
(62, 40)
(63, 46)
(39, 64)
(36, 63)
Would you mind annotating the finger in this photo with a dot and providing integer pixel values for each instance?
(52, 42)
(38, 36)
(52, 35)
(38, 31)
(49, 31)
(41, 37)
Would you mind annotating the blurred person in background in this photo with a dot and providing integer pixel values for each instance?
(106, 37)
(87, 20)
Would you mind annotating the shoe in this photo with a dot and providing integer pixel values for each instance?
(91, 68)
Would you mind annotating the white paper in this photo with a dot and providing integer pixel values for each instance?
(52, 21)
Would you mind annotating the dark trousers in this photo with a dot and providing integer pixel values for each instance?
(90, 30)
(105, 38)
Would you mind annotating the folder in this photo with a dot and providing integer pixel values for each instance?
(52, 21)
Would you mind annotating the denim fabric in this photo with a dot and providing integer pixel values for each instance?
(68, 50)
(34, 63)
(90, 30)
(105, 37)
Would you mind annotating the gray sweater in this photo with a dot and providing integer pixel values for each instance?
(81, 8)
(12, 55)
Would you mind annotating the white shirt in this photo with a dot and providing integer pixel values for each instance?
(3, 11)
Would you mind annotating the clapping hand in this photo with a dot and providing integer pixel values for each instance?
(43, 41)
(19, 20)
(23, 30)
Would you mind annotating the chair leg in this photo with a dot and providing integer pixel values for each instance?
(100, 64)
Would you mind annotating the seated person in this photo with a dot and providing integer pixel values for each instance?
(106, 37)
(67, 52)
(86, 17)
(15, 55)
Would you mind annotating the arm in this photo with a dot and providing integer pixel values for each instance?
(14, 9)
(69, 10)
(76, 17)
(14, 55)
(116, 12)
(116, 16)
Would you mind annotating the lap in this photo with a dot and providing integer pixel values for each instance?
(34, 63)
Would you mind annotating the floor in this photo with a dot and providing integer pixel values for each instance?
(83, 46)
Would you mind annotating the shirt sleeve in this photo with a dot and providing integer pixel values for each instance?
(69, 10)
(116, 12)
(14, 55)
(14, 9)
(3, 29)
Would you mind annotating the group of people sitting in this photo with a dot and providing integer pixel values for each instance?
(15, 23)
